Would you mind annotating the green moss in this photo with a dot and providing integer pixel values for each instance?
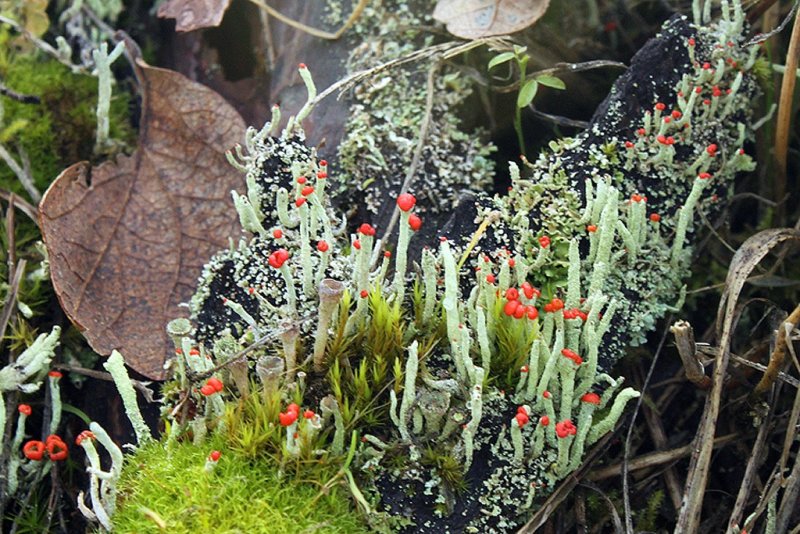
(60, 130)
(239, 495)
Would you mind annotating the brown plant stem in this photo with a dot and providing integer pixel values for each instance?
(784, 119)
(778, 354)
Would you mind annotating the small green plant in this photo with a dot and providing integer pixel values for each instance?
(528, 86)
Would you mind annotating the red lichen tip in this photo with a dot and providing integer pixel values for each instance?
(660, 106)
(309, 414)
(56, 448)
(712, 149)
(301, 180)
(293, 407)
(216, 383)
(55, 374)
(24, 409)
(691, 41)
(307, 190)
(490, 278)
(641, 131)
(636, 198)
(287, 418)
(544, 421)
(323, 163)
(406, 201)
(592, 228)
(565, 428)
(322, 245)
(628, 144)
(357, 244)
(676, 114)
(277, 233)
(33, 450)
(278, 258)
(704, 176)
(414, 222)
(523, 369)
(522, 419)
(321, 175)
(572, 355)
(214, 456)
(366, 229)
(512, 293)
(207, 390)
(544, 241)
(387, 254)
(299, 201)
(511, 306)
(364, 293)
(86, 434)
(655, 217)
(546, 394)
(302, 66)
(590, 398)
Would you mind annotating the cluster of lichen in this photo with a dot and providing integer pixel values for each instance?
(475, 383)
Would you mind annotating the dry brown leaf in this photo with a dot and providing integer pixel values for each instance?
(194, 14)
(127, 239)
(472, 19)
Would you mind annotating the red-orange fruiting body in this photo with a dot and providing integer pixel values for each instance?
(414, 222)
(25, 409)
(406, 201)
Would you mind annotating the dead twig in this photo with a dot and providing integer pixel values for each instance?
(784, 120)
(744, 261)
(687, 350)
(778, 354)
(654, 459)
(566, 487)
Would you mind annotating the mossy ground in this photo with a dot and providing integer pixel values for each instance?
(60, 130)
(240, 495)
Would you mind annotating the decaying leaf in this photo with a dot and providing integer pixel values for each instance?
(194, 14)
(127, 239)
(472, 19)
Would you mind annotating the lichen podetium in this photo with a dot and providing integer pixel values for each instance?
(468, 387)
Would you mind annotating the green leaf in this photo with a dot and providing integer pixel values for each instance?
(499, 59)
(519, 50)
(551, 81)
(526, 93)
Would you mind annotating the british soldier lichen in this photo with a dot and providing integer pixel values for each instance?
(493, 355)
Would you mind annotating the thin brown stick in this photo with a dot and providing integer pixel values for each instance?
(421, 141)
(753, 464)
(671, 479)
(783, 122)
(778, 354)
(322, 34)
(22, 205)
(566, 487)
(654, 459)
(146, 392)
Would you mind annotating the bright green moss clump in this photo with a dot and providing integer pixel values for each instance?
(239, 495)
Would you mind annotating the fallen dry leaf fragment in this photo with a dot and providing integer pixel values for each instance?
(194, 14)
(127, 239)
(473, 19)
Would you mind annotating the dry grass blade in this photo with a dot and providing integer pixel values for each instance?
(783, 122)
(744, 261)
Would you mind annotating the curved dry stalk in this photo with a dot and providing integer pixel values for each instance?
(322, 34)
(744, 261)
(783, 122)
